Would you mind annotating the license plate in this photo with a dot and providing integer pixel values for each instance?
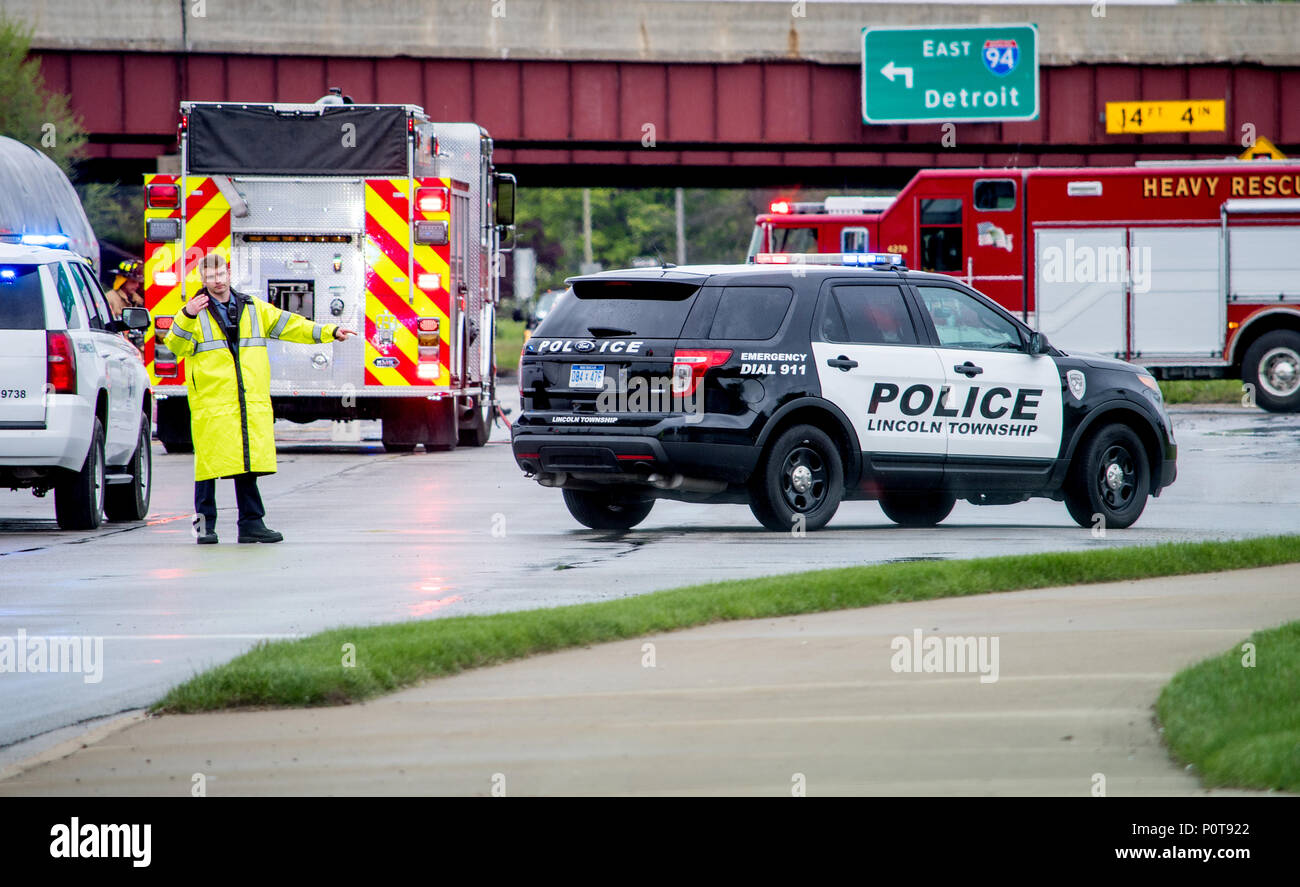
(587, 375)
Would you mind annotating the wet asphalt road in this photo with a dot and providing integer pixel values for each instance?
(375, 538)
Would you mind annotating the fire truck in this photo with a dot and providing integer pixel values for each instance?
(1190, 269)
(368, 216)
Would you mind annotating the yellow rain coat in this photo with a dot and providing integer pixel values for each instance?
(230, 396)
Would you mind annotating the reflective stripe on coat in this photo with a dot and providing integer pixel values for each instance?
(230, 401)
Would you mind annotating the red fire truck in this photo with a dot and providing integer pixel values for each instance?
(1191, 269)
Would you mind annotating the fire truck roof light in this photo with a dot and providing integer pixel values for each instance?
(780, 206)
(852, 260)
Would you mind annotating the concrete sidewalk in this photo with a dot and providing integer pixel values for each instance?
(751, 708)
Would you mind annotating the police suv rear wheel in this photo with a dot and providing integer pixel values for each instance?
(607, 511)
(917, 509)
(1109, 480)
(800, 483)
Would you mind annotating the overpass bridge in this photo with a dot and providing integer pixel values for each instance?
(663, 92)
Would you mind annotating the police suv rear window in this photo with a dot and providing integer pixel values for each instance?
(21, 305)
(750, 312)
(654, 309)
(865, 315)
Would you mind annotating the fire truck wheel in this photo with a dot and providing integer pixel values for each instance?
(917, 509)
(174, 425)
(800, 482)
(1272, 366)
(476, 427)
(606, 511)
(1109, 479)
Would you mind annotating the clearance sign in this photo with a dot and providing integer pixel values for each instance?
(1282, 184)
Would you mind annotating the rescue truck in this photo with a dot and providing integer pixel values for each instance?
(368, 216)
(1190, 269)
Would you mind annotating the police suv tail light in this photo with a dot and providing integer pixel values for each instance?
(164, 196)
(690, 365)
(60, 363)
(432, 200)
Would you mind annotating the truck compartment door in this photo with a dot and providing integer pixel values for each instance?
(1178, 307)
(1080, 275)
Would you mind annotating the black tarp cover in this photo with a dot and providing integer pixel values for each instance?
(259, 141)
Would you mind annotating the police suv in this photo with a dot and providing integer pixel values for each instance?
(74, 395)
(793, 387)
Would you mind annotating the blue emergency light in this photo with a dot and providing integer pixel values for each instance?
(45, 239)
(851, 260)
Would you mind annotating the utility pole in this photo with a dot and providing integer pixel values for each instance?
(681, 227)
(586, 228)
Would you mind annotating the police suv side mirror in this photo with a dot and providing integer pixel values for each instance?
(135, 319)
(1038, 343)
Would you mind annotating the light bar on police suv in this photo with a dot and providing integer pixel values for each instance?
(851, 260)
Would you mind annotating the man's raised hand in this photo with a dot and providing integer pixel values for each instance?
(196, 305)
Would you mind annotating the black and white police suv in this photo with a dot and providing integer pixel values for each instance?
(790, 388)
(74, 393)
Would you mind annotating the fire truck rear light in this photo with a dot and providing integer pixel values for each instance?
(432, 200)
(165, 278)
(428, 324)
(163, 323)
(780, 206)
(61, 363)
(1083, 189)
(162, 230)
(164, 196)
(434, 233)
(428, 370)
(428, 282)
(163, 369)
(690, 365)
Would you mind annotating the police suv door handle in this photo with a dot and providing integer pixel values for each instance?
(970, 370)
(842, 362)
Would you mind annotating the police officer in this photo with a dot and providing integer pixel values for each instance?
(223, 334)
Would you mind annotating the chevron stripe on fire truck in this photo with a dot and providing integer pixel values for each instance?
(161, 299)
(394, 302)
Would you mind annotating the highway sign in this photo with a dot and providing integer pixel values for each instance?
(957, 73)
(1135, 118)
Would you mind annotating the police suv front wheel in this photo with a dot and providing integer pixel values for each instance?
(800, 483)
(1109, 480)
(606, 511)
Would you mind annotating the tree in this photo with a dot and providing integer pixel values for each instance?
(28, 113)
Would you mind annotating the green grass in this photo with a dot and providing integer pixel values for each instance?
(309, 671)
(1240, 726)
(1202, 391)
(509, 342)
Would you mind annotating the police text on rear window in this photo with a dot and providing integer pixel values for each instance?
(750, 312)
(608, 308)
(22, 307)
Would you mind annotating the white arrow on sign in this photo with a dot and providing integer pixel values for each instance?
(890, 70)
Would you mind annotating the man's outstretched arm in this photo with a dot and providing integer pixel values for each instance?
(290, 327)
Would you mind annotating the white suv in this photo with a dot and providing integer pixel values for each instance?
(75, 403)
